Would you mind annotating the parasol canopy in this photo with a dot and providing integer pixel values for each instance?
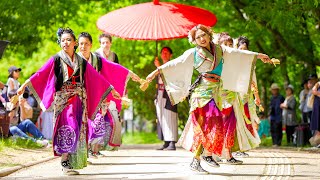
(154, 21)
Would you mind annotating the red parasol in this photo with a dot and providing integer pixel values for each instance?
(154, 21)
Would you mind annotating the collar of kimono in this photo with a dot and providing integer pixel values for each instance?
(67, 62)
(91, 60)
(94, 61)
(67, 59)
(207, 55)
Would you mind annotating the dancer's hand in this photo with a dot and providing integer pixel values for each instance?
(257, 101)
(152, 75)
(134, 77)
(264, 58)
(115, 94)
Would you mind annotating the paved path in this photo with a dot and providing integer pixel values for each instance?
(143, 162)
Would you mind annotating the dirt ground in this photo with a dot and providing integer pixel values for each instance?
(14, 157)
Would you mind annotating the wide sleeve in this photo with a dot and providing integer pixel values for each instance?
(238, 68)
(42, 84)
(176, 75)
(97, 88)
(118, 76)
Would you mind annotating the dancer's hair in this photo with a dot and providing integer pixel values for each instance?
(223, 37)
(192, 32)
(65, 31)
(242, 40)
(85, 35)
(106, 35)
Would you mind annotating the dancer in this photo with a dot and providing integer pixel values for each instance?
(76, 92)
(208, 59)
(247, 137)
(105, 129)
(105, 48)
(229, 115)
(167, 116)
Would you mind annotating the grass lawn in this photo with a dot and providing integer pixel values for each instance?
(140, 138)
(267, 142)
(18, 143)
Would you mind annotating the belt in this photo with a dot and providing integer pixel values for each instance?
(211, 77)
(161, 86)
(69, 86)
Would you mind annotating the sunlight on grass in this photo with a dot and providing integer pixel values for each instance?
(18, 143)
(140, 138)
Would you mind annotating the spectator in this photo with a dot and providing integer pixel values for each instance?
(305, 110)
(264, 126)
(26, 125)
(167, 114)
(276, 115)
(46, 124)
(315, 117)
(289, 113)
(14, 74)
(2, 100)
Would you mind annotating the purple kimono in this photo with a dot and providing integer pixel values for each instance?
(76, 91)
(105, 129)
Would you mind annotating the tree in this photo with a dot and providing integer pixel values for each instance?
(284, 29)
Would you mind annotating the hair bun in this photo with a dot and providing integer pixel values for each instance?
(59, 32)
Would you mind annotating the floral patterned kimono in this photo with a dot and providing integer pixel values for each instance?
(105, 128)
(205, 125)
(239, 133)
(247, 136)
(75, 90)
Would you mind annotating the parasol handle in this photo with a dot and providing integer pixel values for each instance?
(156, 55)
(156, 2)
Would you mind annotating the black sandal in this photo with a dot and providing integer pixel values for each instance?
(210, 161)
(68, 169)
(234, 161)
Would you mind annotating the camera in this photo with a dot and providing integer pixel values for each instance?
(25, 95)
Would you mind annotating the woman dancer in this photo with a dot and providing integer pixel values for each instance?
(247, 136)
(205, 101)
(105, 129)
(76, 92)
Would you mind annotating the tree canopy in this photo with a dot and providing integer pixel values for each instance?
(284, 29)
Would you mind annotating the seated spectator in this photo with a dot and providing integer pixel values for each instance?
(46, 125)
(25, 126)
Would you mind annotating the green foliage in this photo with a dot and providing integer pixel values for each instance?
(288, 30)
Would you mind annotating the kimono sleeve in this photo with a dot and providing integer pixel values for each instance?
(42, 84)
(118, 76)
(176, 75)
(97, 88)
(238, 68)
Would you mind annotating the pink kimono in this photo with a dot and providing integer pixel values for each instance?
(76, 91)
(105, 129)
